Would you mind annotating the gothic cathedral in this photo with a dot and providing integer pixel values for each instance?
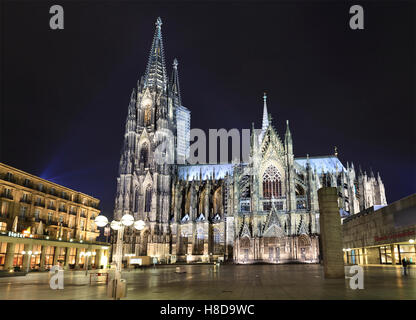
(265, 210)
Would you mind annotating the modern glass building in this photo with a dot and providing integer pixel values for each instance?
(382, 235)
(183, 123)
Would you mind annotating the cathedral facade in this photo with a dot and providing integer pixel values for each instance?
(264, 210)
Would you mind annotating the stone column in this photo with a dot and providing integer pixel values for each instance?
(55, 255)
(8, 263)
(331, 233)
(42, 258)
(76, 267)
(88, 259)
(98, 256)
(27, 257)
(68, 251)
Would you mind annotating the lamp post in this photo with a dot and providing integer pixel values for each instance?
(127, 220)
(87, 255)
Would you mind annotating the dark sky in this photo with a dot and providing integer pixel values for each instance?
(65, 93)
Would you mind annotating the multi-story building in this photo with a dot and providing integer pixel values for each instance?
(263, 210)
(54, 223)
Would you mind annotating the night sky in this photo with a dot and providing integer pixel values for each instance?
(65, 92)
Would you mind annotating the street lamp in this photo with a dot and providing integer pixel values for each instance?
(87, 255)
(30, 256)
(127, 220)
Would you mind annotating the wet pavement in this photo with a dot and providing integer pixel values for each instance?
(239, 282)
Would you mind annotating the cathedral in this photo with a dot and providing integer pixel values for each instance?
(264, 210)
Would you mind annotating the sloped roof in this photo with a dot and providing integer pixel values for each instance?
(218, 171)
(327, 163)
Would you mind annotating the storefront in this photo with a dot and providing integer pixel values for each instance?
(383, 236)
(23, 253)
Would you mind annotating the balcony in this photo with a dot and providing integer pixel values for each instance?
(39, 204)
(7, 195)
(25, 200)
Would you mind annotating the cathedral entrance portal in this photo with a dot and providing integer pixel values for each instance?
(274, 254)
(245, 255)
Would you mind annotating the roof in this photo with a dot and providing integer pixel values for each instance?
(325, 163)
(192, 172)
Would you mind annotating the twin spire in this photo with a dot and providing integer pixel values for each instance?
(156, 75)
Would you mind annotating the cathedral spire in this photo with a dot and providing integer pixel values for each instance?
(265, 122)
(174, 83)
(155, 75)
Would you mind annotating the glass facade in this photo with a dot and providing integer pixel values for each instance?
(400, 251)
(183, 127)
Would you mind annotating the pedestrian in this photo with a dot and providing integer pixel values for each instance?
(404, 264)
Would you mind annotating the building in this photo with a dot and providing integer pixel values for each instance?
(183, 122)
(381, 234)
(54, 223)
(265, 210)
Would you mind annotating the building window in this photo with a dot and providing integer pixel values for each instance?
(3, 226)
(9, 176)
(408, 252)
(3, 250)
(23, 211)
(49, 253)
(272, 185)
(8, 193)
(40, 187)
(147, 116)
(35, 259)
(148, 199)
(26, 183)
(61, 255)
(61, 219)
(18, 255)
(37, 214)
(72, 255)
(49, 217)
(25, 197)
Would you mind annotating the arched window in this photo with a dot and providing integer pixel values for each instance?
(148, 199)
(144, 155)
(147, 116)
(272, 184)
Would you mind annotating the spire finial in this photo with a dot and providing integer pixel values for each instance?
(336, 151)
(264, 96)
(158, 22)
(175, 63)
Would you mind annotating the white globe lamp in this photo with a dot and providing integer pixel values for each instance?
(139, 225)
(101, 221)
(127, 220)
(115, 225)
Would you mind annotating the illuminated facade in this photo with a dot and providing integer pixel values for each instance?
(54, 223)
(265, 210)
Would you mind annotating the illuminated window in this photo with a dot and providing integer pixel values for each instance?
(49, 253)
(3, 226)
(272, 185)
(3, 250)
(18, 255)
(147, 116)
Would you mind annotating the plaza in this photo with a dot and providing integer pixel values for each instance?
(226, 282)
